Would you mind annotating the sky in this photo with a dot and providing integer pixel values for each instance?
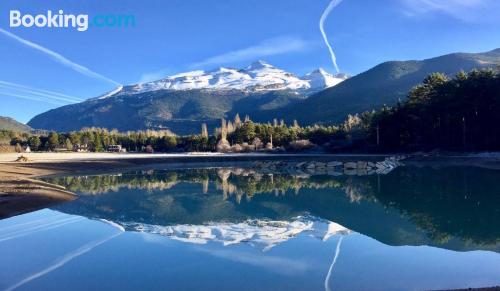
(42, 68)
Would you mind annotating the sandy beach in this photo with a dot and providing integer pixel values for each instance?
(64, 157)
(20, 192)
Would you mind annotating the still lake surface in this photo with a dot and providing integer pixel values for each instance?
(416, 228)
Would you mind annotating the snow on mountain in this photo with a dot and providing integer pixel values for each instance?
(266, 77)
(110, 93)
(261, 233)
(259, 76)
(321, 79)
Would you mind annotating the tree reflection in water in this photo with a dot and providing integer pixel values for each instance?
(452, 206)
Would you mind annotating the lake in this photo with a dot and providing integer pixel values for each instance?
(415, 228)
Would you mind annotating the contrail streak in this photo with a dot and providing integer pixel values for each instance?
(59, 58)
(37, 221)
(44, 227)
(62, 261)
(39, 92)
(325, 14)
(337, 252)
(32, 98)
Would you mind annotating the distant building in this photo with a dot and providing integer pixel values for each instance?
(115, 148)
(80, 148)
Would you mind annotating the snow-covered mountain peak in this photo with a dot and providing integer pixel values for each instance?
(189, 74)
(321, 79)
(222, 70)
(258, 65)
(320, 71)
(110, 93)
(258, 76)
(263, 234)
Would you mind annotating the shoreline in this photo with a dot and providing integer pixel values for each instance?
(22, 192)
(49, 156)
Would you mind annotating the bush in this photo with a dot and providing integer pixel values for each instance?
(236, 148)
(34, 143)
(223, 146)
(300, 145)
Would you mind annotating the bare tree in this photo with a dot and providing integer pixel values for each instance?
(223, 129)
(230, 127)
(204, 130)
(237, 121)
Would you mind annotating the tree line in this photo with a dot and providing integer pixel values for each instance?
(99, 139)
(458, 113)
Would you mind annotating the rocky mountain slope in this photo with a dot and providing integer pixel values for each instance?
(12, 124)
(182, 102)
(383, 84)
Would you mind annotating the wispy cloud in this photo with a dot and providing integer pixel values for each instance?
(59, 58)
(467, 10)
(26, 92)
(270, 47)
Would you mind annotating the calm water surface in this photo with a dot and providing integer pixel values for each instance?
(241, 229)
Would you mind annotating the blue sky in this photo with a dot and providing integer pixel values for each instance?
(173, 36)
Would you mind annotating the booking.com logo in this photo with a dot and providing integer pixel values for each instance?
(81, 22)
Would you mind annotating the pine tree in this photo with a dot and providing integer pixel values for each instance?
(34, 143)
(69, 145)
(53, 140)
(98, 147)
(169, 142)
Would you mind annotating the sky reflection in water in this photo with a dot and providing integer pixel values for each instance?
(226, 229)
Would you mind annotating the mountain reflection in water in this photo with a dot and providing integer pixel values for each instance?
(451, 207)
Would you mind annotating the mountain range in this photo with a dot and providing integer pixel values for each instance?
(182, 102)
(8, 123)
(257, 77)
(384, 84)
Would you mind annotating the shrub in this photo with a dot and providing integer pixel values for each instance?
(300, 145)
